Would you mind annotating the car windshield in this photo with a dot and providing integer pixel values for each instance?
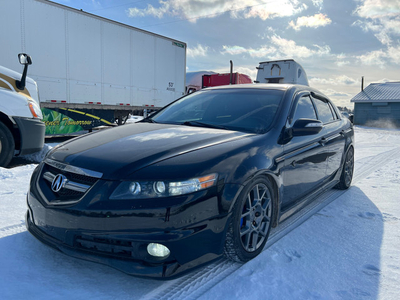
(248, 110)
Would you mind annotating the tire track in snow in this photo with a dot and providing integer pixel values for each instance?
(195, 284)
(13, 229)
(371, 164)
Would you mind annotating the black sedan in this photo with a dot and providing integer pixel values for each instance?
(206, 176)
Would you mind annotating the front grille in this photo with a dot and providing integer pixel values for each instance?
(73, 176)
(75, 182)
(105, 246)
(65, 194)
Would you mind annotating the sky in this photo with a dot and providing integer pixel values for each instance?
(336, 42)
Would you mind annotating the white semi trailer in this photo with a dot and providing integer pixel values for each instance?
(91, 71)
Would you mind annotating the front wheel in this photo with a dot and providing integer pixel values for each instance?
(6, 145)
(251, 221)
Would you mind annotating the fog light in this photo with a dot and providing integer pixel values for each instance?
(157, 250)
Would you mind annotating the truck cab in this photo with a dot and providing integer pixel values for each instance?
(281, 71)
(21, 129)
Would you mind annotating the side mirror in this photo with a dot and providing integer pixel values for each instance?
(306, 127)
(24, 59)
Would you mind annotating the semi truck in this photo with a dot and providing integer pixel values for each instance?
(202, 79)
(91, 71)
(21, 128)
(281, 71)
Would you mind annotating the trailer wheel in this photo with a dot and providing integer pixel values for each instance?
(7, 145)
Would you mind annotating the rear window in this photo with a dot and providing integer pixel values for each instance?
(249, 110)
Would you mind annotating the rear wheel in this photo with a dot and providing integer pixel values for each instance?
(347, 173)
(6, 145)
(251, 221)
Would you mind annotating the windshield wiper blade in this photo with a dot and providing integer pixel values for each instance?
(201, 124)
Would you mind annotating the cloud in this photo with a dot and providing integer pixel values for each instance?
(383, 37)
(318, 20)
(341, 60)
(291, 49)
(318, 3)
(199, 50)
(194, 10)
(337, 80)
(341, 63)
(381, 17)
(262, 10)
(252, 72)
(331, 93)
(381, 57)
(279, 48)
(393, 53)
(378, 8)
(384, 80)
(234, 50)
(260, 52)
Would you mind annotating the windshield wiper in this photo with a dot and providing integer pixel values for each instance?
(201, 124)
(148, 120)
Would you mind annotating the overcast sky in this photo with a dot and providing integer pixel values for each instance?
(336, 41)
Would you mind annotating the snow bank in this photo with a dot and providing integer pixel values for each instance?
(37, 157)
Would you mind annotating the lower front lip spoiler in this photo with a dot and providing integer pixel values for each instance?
(130, 267)
(168, 270)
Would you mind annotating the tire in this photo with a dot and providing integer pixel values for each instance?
(251, 221)
(7, 145)
(347, 172)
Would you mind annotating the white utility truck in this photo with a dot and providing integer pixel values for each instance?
(21, 128)
(91, 71)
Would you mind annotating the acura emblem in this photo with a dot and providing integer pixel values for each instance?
(58, 183)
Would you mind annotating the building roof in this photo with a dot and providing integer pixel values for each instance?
(379, 92)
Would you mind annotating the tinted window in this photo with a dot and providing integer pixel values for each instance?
(250, 110)
(324, 111)
(304, 109)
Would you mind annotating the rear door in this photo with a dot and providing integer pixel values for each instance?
(334, 139)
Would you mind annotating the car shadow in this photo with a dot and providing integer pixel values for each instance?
(335, 254)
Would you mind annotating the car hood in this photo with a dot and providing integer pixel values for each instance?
(121, 151)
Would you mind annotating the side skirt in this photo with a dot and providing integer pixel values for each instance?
(306, 200)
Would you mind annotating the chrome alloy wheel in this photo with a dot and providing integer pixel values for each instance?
(256, 217)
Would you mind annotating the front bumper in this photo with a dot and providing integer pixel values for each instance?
(120, 239)
(32, 133)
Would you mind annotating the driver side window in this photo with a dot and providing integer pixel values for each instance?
(304, 109)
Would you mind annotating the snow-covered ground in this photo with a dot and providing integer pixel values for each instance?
(346, 245)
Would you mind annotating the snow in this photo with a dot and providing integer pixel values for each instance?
(348, 249)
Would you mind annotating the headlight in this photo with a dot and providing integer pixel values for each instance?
(157, 189)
